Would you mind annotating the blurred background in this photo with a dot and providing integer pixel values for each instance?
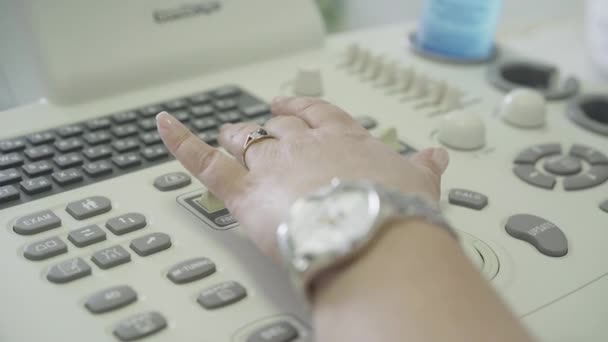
(342, 15)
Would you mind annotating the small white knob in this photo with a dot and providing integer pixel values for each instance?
(364, 60)
(407, 78)
(308, 81)
(524, 107)
(375, 67)
(388, 74)
(462, 130)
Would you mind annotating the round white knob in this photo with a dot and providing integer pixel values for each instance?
(524, 108)
(462, 131)
(308, 82)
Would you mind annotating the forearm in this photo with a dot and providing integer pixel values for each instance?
(413, 284)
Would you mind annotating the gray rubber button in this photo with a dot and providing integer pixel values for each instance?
(172, 181)
(540, 233)
(150, 244)
(68, 270)
(89, 207)
(590, 155)
(563, 165)
(126, 223)
(594, 177)
(281, 331)
(111, 257)
(86, 236)
(140, 325)
(221, 295)
(191, 270)
(367, 122)
(9, 176)
(532, 176)
(8, 193)
(111, 299)
(37, 222)
(534, 153)
(45, 249)
(604, 206)
(467, 198)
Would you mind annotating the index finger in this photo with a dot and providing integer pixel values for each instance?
(222, 175)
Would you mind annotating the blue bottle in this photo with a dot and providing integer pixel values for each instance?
(458, 29)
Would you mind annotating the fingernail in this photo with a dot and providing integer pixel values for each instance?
(278, 99)
(441, 157)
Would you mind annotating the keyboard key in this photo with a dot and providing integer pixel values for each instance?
(210, 137)
(199, 98)
(36, 185)
(111, 299)
(151, 110)
(69, 131)
(89, 207)
(147, 124)
(68, 145)
(41, 138)
(98, 168)
(39, 168)
(191, 270)
(67, 177)
(39, 152)
(281, 331)
(150, 244)
(226, 91)
(8, 193)
(37, 222)
(9, 176)
(68, 270)
(125, 117)
(86, 236)
(97, 124)
(139, 326)
(202, 110)
(205, 124)
(45, 249)
(152, 153)
(12, 145)
(96, 138)
(124, 130)
(126, 223)
(176, 104)
(223, 105)
(230, 116)
(125, 161)
(97, 152)
(111, 257)
(65, 161)
(255, 110)
(172, 181)
(10, 160)
(182, 115)
(150, 138)
(222, 294)
(125, 145)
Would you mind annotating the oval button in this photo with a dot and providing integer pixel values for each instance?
(540, 233)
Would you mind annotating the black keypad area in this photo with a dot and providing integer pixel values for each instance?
(55, 160)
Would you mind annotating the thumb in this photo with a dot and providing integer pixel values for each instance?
(434, 159)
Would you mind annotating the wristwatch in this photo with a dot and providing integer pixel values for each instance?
(335, 223)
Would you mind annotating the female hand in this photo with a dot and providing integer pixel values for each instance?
(315, 141)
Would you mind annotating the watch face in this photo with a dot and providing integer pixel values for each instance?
(331, 222)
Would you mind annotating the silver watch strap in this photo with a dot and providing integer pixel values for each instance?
(414, 205)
